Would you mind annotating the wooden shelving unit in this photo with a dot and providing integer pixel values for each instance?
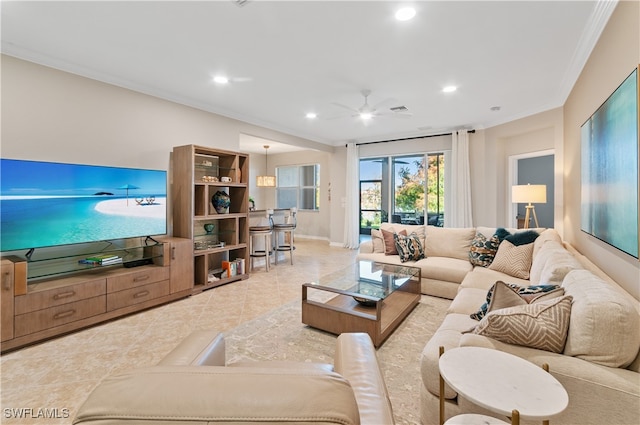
(198, 173)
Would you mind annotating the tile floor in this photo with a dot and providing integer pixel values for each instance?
(57, 375)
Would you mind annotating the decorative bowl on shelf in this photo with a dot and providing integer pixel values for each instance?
(208, 227)
(221, 201)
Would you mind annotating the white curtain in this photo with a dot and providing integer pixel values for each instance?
(460, 214)
(352, 210)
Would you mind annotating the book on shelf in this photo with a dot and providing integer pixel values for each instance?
(101, 260)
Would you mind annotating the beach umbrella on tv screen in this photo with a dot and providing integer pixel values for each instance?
(127, 187)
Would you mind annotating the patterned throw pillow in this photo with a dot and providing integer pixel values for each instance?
(409, 247)
(502, 295)
(513, 260)
(483, 250)
(543, 325)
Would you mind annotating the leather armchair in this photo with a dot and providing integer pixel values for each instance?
(192, 384)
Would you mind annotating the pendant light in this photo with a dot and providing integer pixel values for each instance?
(266, 180)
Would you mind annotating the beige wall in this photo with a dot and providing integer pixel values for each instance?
(310, 224)
(613, 59)
(490, 151)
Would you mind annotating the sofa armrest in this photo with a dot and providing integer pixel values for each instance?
(366, 247)
(356, 360)
(221, 395)
(200, 348)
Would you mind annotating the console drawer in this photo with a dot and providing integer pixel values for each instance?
(138, 278)
(137, 295)
(55, 316)
(58, 296)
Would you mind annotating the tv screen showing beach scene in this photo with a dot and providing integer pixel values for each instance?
(44, 204)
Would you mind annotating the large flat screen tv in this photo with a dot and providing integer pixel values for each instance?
(45, 204)
(610, 169)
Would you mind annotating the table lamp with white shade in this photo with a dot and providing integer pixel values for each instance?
(529, 194)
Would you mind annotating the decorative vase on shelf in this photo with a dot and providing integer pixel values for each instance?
(221, 202)
(208, 228)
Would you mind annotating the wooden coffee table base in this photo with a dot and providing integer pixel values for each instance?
(342, 313)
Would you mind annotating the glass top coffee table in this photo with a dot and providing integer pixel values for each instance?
(366, 297)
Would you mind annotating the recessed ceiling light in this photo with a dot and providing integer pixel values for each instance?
(311, 115)
(405, 13)
(220, 79)
(449, 89)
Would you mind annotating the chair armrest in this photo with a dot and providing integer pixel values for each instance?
(356, 360)
(221, 395)
(200, 348)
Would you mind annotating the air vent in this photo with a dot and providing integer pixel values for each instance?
(399, 109)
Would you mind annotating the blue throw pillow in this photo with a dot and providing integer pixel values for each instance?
(522, 238)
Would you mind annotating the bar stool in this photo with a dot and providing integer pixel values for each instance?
(265, 231)
(286, 229)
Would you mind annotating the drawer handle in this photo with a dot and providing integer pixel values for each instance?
(62, 295)
(141, 278)
(7, 281)
(64, 314)
(141, 294)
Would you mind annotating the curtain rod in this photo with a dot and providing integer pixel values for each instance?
(408, 138)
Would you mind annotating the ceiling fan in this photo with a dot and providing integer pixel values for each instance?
(367, 112)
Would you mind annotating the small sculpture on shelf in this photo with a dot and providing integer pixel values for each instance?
(221, 201)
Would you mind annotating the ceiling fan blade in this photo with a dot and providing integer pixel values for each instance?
(379, 105)
(345, 107)
(404, 115)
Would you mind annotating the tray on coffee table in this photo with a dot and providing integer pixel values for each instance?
(366, 297)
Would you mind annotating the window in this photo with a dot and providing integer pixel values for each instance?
(298, 186)
(410, 187)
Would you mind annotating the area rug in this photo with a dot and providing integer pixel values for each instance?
(280, 335)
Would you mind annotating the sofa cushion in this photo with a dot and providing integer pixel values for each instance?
(419, 229)
(483, 250)
(448, 242)
(541, 325)
(604, 322)
(390, 241)
(467, 300)
(408, 247)
(546, 235)
(513, 260)
(377, 241)
(444, 268)
(503, 295)
(484, 278)
(552, 263)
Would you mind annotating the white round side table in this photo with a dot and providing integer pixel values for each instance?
(503, 383)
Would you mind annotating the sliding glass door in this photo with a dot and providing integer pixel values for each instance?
(406, 189)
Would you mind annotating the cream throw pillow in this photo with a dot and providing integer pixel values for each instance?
(513, 260)
(377, 240)
(542, 325)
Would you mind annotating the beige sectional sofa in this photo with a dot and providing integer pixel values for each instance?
(599, 360)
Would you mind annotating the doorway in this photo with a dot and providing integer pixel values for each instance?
(534, 168)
